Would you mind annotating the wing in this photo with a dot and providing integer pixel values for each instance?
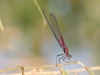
(55, 28)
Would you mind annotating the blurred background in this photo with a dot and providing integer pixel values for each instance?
(24, 41)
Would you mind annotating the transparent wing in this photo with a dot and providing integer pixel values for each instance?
(54, 25)
(56, 30)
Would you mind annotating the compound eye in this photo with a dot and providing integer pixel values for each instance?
(69, 56)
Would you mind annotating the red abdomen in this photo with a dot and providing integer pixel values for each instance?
(66, 50)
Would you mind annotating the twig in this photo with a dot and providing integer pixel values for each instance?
(37, 5)
(1, 26)
(13, 69)
(48, 66)
(68, 71)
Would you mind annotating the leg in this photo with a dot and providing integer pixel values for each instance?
(69, 60)
(57, 57)
(64, 60)
(61, 58)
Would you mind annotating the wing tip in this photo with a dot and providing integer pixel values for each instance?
(51, 14)
(42, 10)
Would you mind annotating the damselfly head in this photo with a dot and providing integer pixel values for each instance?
(69, 56)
